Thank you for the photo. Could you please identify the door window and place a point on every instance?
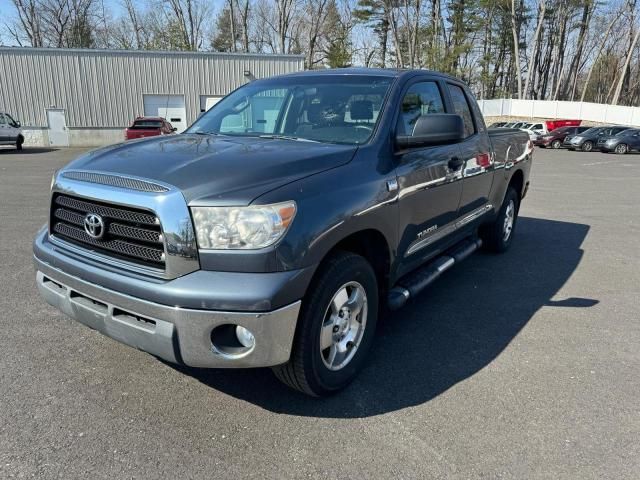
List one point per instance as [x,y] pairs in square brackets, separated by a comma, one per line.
[421,99]
[461,107]
[3,119]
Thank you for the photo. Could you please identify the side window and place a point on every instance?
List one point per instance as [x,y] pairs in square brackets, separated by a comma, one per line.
[461,107]
[422,98]
[2,119]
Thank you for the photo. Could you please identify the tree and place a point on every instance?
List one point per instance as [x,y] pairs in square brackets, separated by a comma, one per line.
[226,35]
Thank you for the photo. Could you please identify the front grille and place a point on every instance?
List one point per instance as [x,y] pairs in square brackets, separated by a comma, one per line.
[129,234]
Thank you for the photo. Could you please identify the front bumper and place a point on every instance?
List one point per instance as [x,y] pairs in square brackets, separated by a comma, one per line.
[176,334]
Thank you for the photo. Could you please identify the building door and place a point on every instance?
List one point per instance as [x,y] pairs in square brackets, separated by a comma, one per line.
[170,107]
[208,101]
[58,133]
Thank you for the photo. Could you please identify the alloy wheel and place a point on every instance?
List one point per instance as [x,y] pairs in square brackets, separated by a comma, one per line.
[344,324]
[509,218]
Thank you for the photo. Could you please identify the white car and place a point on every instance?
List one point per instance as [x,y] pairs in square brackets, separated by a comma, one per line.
[10,132]
[534,130]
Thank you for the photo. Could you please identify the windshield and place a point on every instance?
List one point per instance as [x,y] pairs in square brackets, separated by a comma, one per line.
[592,131]
[10,120]
[332,109]
[558,130]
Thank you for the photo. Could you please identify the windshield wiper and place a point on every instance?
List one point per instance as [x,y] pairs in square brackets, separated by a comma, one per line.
[201,132]
[288,137]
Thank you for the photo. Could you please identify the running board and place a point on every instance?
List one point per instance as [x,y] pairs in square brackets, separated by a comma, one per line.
[415,282]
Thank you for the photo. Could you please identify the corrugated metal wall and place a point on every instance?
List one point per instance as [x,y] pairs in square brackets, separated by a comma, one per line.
[104,88]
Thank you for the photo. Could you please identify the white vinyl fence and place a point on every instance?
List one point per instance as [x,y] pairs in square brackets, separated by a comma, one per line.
[594,112]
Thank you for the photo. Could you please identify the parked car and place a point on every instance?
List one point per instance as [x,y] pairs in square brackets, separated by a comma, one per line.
[497,125]
[534,130]
[623,142]
[587,140]
[555,138]
[148,127]
[10,131]
[275,244]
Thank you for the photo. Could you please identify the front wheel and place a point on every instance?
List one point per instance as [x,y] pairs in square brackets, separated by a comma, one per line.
[556,144]
[498,235]
[587,146]
[19,142]
[335,329]
[621,149]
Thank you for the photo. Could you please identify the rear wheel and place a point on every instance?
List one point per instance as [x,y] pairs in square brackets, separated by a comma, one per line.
[587,146]
[498,235]
[621,148]
[335,329]
[19,142]
[556,144]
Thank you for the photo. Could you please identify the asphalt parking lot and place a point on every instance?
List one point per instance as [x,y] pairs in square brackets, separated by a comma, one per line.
[525,365]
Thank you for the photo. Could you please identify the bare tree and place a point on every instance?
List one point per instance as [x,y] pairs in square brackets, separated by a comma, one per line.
[516,46]
[542,8]
[30,23]
[189,16]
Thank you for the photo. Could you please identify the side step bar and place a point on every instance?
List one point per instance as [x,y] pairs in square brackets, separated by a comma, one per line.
[415,282]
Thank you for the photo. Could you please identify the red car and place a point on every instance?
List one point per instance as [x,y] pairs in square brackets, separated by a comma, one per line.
[555,137]
[148,127]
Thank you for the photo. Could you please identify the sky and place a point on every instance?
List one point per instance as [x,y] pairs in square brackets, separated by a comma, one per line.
[8,15]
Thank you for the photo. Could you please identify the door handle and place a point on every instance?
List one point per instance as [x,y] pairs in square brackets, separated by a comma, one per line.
[455,163]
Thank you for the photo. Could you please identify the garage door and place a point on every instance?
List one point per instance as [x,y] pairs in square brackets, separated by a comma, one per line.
[170,107]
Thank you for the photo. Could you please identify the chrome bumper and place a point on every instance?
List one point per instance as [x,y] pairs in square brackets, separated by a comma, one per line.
[178,335]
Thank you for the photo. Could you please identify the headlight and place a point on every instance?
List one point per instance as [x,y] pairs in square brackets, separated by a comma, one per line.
[247,228]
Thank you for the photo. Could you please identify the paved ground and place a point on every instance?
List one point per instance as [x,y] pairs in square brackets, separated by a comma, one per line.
[525,365]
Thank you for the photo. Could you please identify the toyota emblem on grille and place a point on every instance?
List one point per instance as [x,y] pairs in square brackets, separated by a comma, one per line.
[94,225]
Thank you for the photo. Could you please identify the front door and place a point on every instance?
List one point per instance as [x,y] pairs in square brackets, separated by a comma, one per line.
[58,135]
[429,180]
[4,130]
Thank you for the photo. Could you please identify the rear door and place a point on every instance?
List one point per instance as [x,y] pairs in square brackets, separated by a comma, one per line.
[429,178]
[475,151]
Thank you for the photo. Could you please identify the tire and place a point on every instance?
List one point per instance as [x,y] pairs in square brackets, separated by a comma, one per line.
[556,144]
[621,148]
[497,236]
[19,142]
[587,146]
[310,368]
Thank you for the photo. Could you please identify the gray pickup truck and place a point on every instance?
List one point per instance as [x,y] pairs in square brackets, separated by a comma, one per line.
[274,230]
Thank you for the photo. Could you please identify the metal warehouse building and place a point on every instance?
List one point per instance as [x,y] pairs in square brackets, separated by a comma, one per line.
[87,97]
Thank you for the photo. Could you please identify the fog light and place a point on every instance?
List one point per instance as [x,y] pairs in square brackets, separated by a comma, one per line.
[245,337]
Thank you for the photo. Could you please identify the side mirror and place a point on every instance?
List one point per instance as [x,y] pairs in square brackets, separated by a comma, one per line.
[433,129]
[18,125]
[174,129]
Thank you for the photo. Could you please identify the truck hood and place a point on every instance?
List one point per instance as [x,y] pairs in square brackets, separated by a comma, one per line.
[216,170]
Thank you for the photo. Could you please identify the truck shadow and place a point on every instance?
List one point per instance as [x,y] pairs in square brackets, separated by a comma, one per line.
[456,328]
[26,150]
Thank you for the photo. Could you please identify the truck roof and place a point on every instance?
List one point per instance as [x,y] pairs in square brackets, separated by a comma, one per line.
[374,72]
